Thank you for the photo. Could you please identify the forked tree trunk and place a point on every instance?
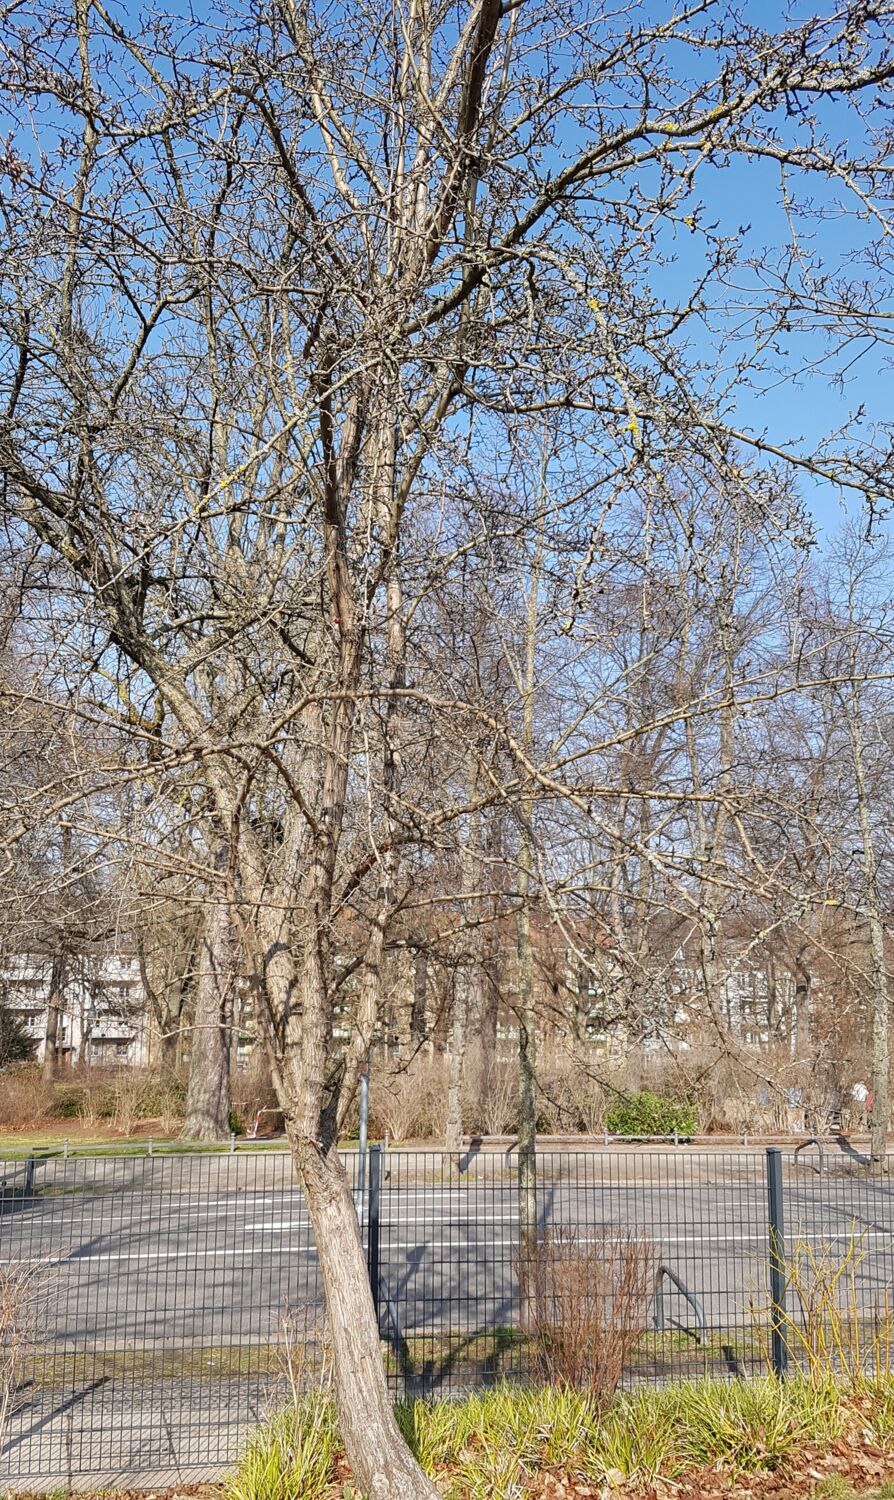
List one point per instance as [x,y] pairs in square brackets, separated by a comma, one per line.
[208,1091]
[383,1467]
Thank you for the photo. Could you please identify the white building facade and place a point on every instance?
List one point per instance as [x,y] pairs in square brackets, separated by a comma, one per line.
[103,1015]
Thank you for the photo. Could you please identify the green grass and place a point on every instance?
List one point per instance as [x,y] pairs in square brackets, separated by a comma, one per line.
[290,1458]
[491,1443]
[836,1487]
[43,1144]
[489,1354]
[62,1371]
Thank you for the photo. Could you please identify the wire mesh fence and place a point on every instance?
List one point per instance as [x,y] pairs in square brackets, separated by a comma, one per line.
[452,1271]
[170,1301]
[167,1291]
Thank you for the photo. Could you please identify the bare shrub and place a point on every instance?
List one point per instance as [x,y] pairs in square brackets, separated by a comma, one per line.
[409,1102]
[490,1092]
[577,1085]
[590,1101]
[25,1099]
[557,1111]
[95,1099]
[500,1099]
[251,1088]
[587,1306]
[20,1287]
[829,1330]
[394,1106]
[305,1351]
[163,1098]
[430,1079]
[128,1086]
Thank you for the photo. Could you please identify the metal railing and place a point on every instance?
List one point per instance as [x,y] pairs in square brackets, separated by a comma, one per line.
[171,1292]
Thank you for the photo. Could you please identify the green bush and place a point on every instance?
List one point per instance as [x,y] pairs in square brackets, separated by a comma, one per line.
[645,1113]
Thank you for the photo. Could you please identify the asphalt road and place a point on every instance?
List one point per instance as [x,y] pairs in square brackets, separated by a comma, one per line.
[164,1282]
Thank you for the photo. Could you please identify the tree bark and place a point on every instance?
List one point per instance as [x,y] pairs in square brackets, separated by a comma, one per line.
[55,1007]
[527,1035]
[382,1465]
[881,1043]
[419,1034]
[527,1100]
[457,1050]
[166,1017]
[208,1091]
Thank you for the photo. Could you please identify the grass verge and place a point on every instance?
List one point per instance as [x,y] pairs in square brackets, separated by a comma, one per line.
[702,1437]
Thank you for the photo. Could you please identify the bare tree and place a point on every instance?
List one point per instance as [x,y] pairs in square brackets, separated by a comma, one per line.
[267,298]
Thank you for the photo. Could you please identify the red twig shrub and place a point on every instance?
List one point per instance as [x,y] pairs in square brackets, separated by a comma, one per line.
[588,1301]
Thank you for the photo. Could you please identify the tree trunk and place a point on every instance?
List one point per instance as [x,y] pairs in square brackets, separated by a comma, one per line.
[169,1048]
[208,1091]
[527,1035]
[457,1051]
[419,1035]
[881,1045]
[383,1467]
[527,1101]
[166,1015]
[55,1007]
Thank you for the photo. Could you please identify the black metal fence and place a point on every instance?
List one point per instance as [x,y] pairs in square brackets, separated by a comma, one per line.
[169,1300]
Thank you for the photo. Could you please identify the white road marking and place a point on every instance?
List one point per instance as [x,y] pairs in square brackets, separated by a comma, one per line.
[253,1251]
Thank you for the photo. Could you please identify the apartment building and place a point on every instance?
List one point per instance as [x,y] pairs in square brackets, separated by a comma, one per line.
[102,1016]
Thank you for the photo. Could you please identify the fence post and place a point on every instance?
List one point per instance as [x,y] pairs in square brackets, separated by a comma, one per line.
[372,1232]
[778,1347]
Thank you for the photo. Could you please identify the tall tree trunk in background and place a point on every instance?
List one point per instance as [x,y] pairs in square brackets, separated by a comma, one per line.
[467,985]
[527,1097]
[486,1027]
[881,1042]
[165,1014]
[527,1033]
[456,1053]
[419,1033]
[489,951]
[52,1045]
[208,1091]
